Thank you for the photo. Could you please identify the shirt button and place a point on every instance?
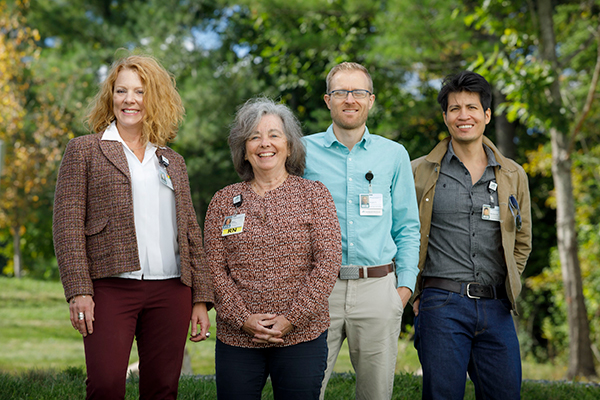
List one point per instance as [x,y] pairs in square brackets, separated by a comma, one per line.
[351,222]
[350,179]
[350,159]
[351,244]
[427,199]
[349,201]
[473,255]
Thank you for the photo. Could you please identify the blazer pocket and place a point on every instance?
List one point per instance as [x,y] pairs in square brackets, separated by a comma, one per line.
[99,247]
[96,226]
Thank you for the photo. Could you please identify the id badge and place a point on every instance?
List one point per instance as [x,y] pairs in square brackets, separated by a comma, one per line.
[371,204]
[490,213]
[233,224]
[164,177]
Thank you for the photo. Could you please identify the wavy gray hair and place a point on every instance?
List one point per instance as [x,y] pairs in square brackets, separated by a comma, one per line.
[247,119]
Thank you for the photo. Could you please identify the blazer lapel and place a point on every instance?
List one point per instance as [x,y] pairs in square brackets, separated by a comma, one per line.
[114,152]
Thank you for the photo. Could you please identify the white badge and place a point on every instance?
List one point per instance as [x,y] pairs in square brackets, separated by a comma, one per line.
[164,177]
[490,213]
[233,224]
[371,204]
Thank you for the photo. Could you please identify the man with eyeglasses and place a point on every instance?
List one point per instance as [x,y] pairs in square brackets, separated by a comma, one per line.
[475,217]
[372,185]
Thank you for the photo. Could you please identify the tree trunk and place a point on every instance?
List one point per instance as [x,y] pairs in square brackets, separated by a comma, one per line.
[581,361]
[17,250]
[505,131]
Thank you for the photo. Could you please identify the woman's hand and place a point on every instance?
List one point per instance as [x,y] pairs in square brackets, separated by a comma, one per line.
[81,309]
[267,328]
[200,317]
[282,325]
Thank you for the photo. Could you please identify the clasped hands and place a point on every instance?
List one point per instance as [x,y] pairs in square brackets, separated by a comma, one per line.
[267,328]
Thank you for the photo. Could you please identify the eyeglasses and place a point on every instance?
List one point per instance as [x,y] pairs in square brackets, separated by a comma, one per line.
[358,94]
[513,204]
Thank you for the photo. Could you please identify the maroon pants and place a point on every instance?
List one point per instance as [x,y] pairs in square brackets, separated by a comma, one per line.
[158,314]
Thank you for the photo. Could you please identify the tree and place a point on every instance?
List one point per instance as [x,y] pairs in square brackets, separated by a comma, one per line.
[30,124]
[534,83]
[581,361]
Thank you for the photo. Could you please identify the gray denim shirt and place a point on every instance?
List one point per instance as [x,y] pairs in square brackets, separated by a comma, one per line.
[463,246]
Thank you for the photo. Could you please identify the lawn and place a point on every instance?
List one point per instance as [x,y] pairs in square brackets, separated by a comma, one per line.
[35,333]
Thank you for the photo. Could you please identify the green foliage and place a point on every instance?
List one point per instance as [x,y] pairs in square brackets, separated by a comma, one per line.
[31,125]
[547,288]
[224,52]
[516,66]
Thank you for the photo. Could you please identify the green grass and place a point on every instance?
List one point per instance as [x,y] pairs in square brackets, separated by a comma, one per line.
[36,333]
[41,355]
[70,384]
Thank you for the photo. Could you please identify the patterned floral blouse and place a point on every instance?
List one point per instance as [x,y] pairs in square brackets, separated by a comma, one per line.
[285,261]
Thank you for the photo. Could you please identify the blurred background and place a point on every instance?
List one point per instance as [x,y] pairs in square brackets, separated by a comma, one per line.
[541,56]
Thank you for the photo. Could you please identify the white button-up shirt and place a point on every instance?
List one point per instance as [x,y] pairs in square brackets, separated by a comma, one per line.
[154,214]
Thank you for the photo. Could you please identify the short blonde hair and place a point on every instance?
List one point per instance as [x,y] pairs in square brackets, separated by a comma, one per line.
[164,108]
[348,66]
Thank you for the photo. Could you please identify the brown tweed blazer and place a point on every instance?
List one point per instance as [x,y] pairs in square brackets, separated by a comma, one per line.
[93,225]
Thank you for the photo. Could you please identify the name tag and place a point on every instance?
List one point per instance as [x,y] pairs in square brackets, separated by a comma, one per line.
[233,224]
[371,204]
[164,177]
[490,213]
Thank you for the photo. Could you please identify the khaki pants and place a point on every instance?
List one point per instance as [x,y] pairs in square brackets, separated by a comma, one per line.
[367,312]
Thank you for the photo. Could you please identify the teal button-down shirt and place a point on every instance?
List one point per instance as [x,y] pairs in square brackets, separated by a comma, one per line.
[370,240]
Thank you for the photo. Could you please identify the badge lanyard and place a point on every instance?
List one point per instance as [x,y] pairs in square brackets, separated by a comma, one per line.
[163,174]
[370,204]
[491,212]
[233,224]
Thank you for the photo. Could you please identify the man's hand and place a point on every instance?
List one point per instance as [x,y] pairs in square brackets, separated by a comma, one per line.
[405,294]
[416,306]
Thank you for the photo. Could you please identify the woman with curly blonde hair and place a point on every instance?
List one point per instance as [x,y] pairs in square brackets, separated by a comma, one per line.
[127,241]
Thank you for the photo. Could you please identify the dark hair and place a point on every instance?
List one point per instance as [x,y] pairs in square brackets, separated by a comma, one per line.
[247,119]
[465,81]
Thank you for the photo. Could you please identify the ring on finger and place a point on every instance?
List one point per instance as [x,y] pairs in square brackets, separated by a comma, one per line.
[80,316]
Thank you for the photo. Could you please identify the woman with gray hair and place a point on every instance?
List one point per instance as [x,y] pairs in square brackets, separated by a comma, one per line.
[273,245]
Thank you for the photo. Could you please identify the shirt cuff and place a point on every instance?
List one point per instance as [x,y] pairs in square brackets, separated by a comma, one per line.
[407,279]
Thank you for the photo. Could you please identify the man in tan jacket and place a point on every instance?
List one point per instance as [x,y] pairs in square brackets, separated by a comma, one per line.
[475,218]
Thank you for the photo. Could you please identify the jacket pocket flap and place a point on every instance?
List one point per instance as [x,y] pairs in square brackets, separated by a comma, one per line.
[95,226]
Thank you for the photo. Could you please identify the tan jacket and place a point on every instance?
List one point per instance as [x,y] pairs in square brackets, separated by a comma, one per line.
[511,179]
[93,225]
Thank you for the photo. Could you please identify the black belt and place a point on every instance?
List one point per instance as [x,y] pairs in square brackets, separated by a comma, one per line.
[472,290]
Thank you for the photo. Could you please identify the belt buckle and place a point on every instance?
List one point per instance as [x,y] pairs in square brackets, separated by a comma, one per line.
[349,272]
[469,294]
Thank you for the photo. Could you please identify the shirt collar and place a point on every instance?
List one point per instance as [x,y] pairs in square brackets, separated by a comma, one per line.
[330,138]
[112,134]
[492,162]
